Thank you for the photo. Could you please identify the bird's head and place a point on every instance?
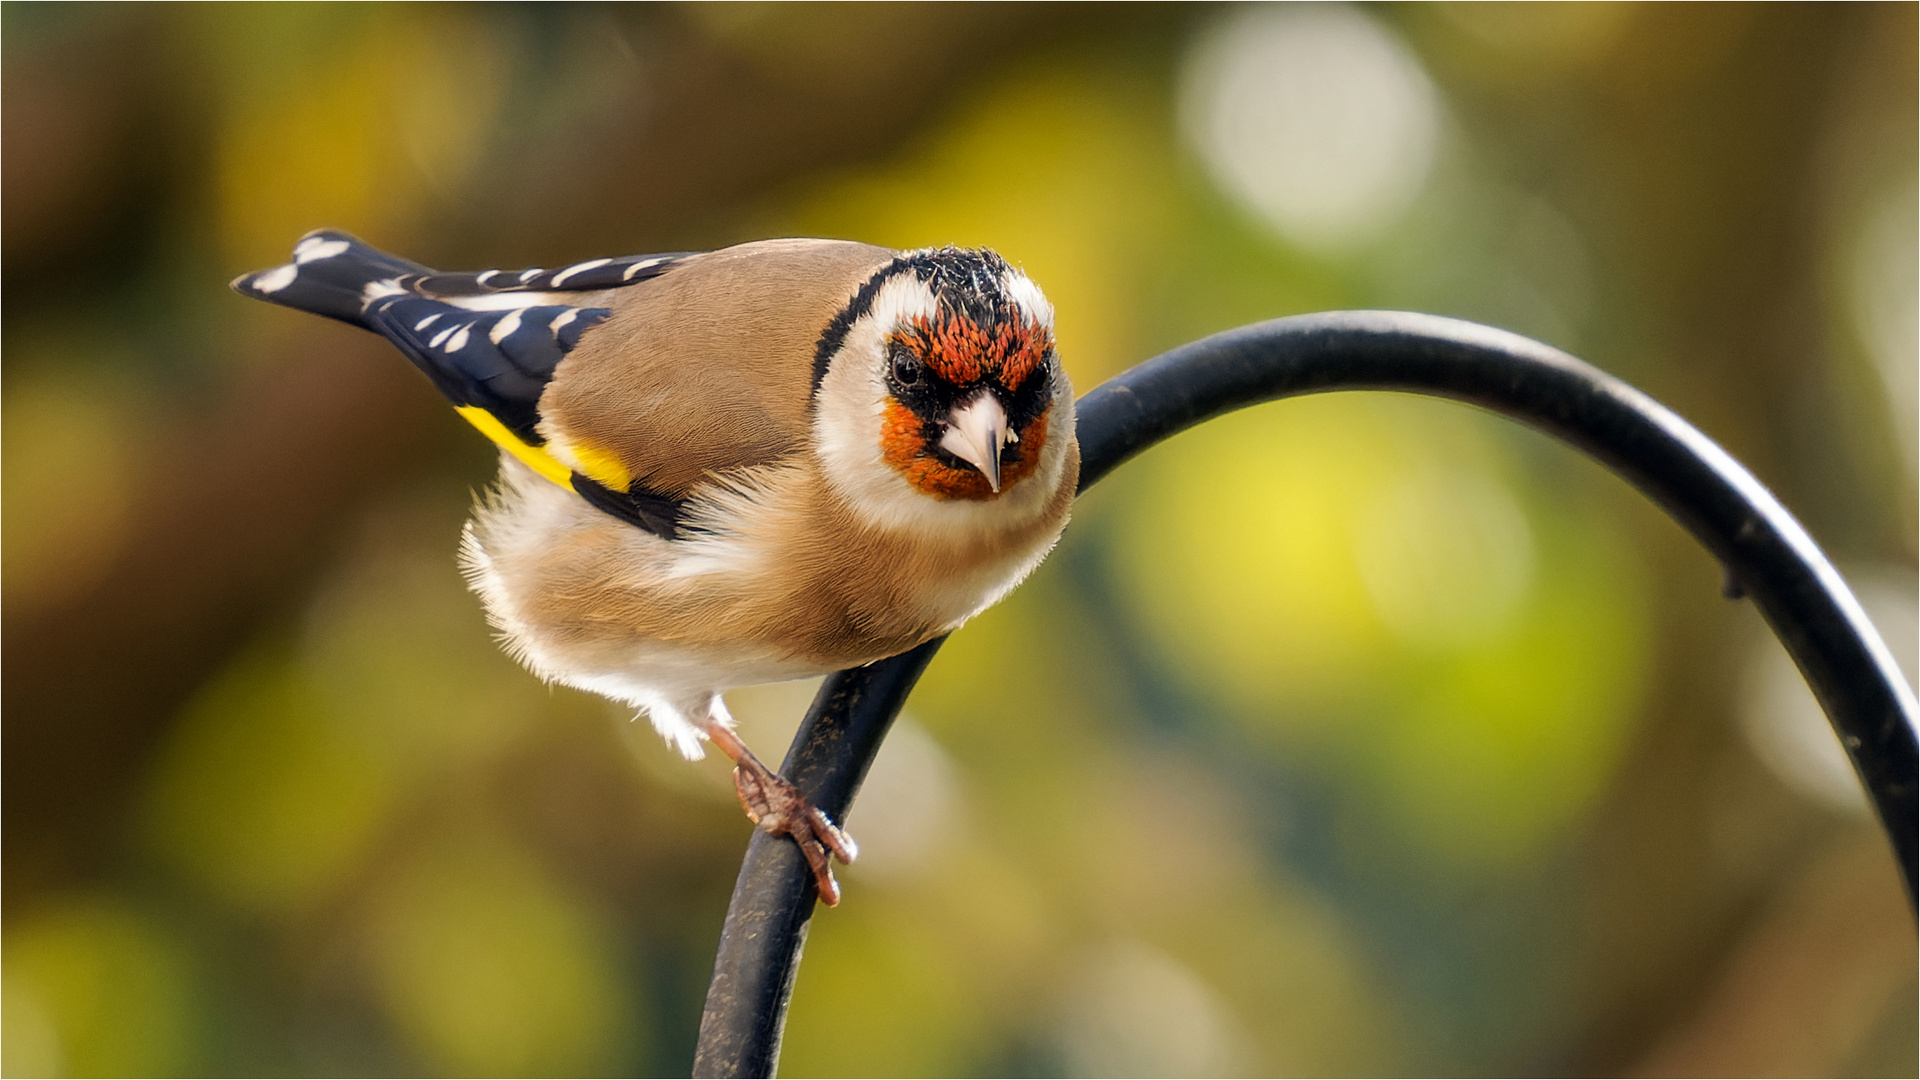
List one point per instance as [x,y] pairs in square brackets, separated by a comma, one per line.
[939,383]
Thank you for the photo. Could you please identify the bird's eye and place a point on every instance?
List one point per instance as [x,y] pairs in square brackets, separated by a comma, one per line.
[906,368]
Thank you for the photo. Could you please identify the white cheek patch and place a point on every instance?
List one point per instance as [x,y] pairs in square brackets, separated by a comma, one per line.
[848,408]
[853,396]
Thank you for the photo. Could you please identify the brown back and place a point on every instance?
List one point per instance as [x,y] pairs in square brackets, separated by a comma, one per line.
[710,366]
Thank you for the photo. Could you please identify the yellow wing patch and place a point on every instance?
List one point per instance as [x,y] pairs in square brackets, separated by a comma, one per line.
[604,467]
[536,458]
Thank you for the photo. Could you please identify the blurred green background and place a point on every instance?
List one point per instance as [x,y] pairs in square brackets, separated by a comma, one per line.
[1350,735]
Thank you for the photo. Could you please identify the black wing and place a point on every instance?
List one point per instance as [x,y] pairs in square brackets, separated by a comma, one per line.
[488,340]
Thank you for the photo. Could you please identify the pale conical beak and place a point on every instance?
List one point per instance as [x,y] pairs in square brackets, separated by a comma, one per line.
[976,430]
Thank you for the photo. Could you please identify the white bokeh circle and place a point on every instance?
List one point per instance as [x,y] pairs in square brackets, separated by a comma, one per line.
[1313,117]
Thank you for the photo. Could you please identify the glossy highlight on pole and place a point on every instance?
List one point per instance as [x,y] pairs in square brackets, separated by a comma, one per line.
[1768,557]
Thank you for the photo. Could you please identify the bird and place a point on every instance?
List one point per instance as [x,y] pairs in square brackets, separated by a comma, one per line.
[759,463]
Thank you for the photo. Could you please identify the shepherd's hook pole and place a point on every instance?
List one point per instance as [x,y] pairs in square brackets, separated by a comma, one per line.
[1765,552]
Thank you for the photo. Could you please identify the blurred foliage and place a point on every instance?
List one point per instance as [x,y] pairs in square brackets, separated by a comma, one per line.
[1475,672]
[1348,735]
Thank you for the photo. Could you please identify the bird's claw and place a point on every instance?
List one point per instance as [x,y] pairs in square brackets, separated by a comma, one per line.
[779,808]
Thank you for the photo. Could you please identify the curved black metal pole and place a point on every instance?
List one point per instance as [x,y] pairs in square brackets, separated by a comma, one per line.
[773,899]
[1765,551]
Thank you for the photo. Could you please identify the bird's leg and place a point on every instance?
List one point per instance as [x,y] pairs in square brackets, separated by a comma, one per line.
[778,807]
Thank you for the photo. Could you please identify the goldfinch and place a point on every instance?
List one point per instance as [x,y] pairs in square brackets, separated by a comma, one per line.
[742,466]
